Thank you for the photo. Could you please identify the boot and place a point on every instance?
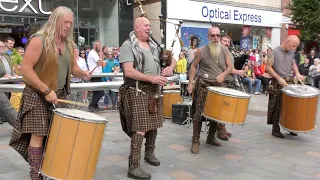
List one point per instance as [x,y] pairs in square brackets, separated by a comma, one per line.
[149,156]
[211,139]
[276,131]
[135,171]
[222,132]
[35,156]
[293,134]
[196,137]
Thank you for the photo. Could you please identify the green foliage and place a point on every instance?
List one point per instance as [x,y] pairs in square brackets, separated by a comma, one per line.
[305,16]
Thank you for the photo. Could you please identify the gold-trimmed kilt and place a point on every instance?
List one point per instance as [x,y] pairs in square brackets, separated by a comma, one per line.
[34,117]
[134,110]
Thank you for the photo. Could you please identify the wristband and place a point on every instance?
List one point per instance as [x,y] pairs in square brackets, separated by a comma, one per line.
[47,91]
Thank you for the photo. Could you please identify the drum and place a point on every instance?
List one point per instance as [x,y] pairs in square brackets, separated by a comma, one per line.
[170,97]
[226,105]
[173,78]
[73,146]
[299,108]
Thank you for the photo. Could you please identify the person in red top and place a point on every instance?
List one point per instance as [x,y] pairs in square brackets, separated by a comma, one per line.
[260,72]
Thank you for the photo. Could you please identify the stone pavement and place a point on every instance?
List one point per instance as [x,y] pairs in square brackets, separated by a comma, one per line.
[251,154]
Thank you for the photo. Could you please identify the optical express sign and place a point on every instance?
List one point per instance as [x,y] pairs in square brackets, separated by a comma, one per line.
[206,12]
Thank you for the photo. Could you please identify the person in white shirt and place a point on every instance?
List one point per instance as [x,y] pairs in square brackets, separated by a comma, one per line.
[94,62]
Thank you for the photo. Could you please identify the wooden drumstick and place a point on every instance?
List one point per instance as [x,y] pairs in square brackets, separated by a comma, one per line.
[303,83]
[73,102]
[93,69]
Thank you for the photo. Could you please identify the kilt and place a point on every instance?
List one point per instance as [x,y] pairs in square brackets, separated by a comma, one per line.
[134,110]
[275,100]
[34,117]
[199,98]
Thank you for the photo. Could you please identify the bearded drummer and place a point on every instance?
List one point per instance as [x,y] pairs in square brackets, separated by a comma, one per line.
[47,66]
[140,108]
[280,65]
[214,66]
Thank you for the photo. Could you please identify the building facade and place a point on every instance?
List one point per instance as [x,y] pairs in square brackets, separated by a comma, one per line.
[251,24]
[108,21]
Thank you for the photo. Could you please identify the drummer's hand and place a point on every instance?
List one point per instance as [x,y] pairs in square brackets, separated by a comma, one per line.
[168,71]
[220,78]
[300,77]
[87,75]
[190,87]
[7,76]
[240,72]
[282,82]
[52,97]
[159,80]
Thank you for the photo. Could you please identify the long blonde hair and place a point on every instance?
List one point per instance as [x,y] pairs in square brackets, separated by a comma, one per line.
[51,30]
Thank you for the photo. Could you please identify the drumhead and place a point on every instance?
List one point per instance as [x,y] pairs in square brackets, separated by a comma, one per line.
[299,90]
[173,78]
[228,91]
[80,115]
[171,91]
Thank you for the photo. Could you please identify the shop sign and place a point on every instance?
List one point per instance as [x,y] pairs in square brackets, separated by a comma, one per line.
[206,12]
[21,7]
[87,25]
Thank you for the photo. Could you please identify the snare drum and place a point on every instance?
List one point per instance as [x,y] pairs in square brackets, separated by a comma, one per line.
[299,108]
[73,145]
[170,97]
[226,105]
[173,78]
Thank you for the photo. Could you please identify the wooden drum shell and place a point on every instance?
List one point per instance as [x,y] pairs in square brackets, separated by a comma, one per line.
[298,114]
[72,148]
[169,98]
[225,108]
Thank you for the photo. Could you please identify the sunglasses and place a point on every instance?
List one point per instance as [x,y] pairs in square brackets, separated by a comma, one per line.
[82,53]
[214,35]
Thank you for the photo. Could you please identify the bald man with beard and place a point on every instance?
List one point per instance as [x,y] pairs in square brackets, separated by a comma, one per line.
[140,108]
[214,66]
[280,65]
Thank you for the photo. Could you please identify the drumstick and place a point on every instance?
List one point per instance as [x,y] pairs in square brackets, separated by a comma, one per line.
[73,102]
[302,83]
[93,69]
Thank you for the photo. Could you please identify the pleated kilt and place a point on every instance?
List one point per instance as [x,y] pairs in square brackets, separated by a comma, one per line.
[199,97]
[275,100]
[134,110]
[34,117]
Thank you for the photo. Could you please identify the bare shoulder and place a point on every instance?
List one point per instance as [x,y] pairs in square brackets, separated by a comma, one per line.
[35,43]
[33,51]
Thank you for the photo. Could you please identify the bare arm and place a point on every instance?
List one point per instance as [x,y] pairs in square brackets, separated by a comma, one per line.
[31,57]
[229,65]
[132,73]
[194,65]
[295,69]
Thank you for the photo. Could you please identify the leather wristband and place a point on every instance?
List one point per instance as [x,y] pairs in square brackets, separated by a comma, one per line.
[47,91]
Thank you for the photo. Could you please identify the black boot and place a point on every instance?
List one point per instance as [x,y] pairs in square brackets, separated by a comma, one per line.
[196,137]
[35,156]
[135,171]
[149,156]
[293,134]
[276,131]
[211,139]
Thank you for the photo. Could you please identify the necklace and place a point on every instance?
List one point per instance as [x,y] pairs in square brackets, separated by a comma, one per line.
[59,48]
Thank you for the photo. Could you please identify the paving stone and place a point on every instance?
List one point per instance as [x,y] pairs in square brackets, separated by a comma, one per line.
[246,176]
[182,175]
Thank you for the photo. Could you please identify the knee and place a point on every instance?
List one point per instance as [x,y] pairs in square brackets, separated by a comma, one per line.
[141,133]
[36,140]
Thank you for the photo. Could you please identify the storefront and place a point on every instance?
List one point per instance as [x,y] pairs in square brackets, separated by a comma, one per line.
[249,28]
[107,21]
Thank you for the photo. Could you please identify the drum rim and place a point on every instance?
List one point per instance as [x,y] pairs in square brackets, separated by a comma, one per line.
[168,91]
[294,95]
[223,122]
[289,130]
[47,176]
[237,96]
[104,121]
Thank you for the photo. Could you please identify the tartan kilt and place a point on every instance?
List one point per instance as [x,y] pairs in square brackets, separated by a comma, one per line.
[199,98]
[275,100]
[34,117]
[134,110]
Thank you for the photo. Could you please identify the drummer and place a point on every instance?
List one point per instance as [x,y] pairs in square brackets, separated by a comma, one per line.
[44,85]
[280,65]
[214,66]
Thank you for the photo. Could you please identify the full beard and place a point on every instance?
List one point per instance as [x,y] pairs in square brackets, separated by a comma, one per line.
[215,49]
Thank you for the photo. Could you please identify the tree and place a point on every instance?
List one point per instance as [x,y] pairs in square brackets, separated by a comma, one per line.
[305,16]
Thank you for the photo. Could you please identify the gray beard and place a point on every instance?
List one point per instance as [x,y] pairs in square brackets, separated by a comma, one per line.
[215,49]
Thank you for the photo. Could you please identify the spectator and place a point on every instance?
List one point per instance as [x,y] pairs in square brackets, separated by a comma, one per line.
[110,63]
[304,69]
[250,79]
[303,56]
[94,62]
[9,43]
[260,72]
[311,57]
[115,99]
[314,73]
[181,67]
